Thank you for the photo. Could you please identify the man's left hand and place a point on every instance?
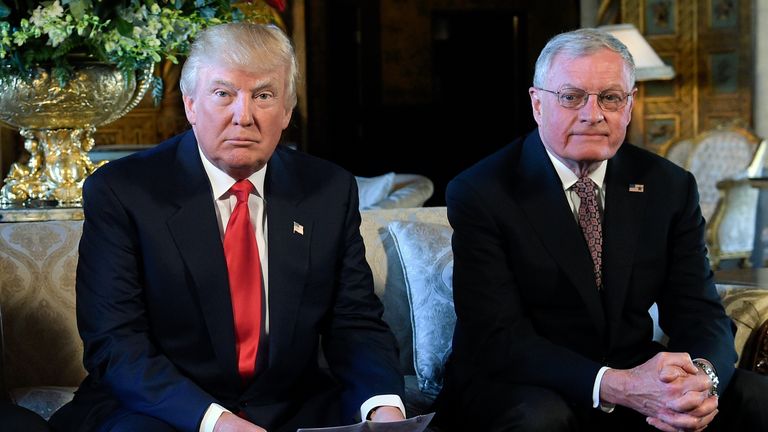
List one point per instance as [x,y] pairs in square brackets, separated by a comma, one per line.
[696,403]
[386,414]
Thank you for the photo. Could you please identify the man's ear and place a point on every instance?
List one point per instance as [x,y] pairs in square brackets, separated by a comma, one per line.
[632,99]
[287,117]
[535,104]
[189,109]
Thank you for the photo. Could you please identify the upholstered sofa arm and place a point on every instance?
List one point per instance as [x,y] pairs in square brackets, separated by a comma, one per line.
[755,356]
[3,389]
[748,308]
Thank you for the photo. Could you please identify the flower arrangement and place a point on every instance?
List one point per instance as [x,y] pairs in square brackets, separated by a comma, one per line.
[131,34]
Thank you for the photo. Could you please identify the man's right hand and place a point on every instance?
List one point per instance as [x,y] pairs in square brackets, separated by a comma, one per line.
[668,389]
[229,422]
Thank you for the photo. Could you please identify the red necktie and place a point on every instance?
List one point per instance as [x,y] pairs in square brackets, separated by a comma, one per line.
[589,220]
[244,269]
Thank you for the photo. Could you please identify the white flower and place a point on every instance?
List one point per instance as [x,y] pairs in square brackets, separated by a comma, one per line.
[42,16]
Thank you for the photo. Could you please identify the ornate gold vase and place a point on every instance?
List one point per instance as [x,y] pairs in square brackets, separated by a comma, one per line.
[58,123]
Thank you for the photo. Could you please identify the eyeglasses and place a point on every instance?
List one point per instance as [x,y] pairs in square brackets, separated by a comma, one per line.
[575,98]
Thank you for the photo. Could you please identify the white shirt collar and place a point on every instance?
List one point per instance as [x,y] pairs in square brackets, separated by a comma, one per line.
[221,182]
[569,178]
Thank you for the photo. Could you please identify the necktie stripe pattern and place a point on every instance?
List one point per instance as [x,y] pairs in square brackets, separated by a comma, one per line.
[244,269]
[589,220]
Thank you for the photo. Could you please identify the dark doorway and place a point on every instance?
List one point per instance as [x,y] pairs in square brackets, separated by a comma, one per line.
[477,62]
[480,84]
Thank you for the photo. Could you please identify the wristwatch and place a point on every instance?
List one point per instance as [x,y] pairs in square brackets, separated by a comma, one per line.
[707,368]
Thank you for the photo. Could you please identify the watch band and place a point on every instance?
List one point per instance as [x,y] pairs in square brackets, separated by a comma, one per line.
[707,368]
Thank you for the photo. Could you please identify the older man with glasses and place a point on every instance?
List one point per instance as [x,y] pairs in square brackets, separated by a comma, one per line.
[562,242]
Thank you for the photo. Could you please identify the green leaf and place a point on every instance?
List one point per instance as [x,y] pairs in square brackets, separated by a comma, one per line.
[77,7]
[207,12]
[68,45]
[123,27]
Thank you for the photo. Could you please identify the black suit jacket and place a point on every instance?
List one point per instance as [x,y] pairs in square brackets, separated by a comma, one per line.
[526,302]
[154,308]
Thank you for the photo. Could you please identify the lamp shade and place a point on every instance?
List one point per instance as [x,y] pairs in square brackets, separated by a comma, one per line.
[648,64]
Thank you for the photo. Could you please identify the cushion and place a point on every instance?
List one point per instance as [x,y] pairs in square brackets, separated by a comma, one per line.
[43,400]
[371,190]
[388,280]
[427,260]
[747,307]
[408,190]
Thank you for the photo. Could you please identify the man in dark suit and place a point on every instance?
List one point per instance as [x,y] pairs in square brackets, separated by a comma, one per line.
[563,241]
[161,283]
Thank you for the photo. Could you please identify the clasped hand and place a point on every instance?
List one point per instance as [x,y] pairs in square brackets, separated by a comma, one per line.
[668,389]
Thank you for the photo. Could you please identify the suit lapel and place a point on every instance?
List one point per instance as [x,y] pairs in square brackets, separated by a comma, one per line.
[290,232]
[194,228]
[540,194]
[623,218]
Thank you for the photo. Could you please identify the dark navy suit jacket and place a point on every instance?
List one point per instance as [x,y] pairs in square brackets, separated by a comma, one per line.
[154,308]
[528,310]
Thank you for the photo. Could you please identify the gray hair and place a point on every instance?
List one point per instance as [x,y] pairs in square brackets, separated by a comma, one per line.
[253,47]
[578,43]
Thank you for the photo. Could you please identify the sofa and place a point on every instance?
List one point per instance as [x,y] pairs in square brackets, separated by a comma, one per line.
[410,256]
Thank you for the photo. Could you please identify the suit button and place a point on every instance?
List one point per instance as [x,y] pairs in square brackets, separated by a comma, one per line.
[243,404]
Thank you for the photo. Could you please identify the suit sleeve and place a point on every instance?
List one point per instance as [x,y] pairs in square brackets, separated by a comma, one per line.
[359,346]
[112,317]
[690,310]
[494,338]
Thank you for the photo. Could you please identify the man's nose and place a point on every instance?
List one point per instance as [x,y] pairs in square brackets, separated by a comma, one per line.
[242,114]
[592,112]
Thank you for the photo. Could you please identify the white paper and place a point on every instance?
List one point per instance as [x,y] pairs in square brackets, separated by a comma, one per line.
[413,424]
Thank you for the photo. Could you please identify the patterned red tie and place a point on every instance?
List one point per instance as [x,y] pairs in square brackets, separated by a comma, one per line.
[589,220]
[244,269]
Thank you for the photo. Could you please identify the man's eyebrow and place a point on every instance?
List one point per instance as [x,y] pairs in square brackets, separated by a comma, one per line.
[223,82]
[262,85]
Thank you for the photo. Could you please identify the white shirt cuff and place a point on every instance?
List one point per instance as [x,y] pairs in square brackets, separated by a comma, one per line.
[379,401]
[606,407]
[211,416]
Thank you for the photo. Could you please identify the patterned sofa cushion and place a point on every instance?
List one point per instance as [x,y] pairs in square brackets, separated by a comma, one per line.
[388,278]
[427,261]
[37,296]
[389,283]
[43,351]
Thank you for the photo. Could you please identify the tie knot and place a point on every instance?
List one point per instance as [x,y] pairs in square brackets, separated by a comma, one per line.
[241,189]
[584,187]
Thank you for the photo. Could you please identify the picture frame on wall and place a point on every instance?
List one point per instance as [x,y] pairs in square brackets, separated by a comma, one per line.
[724,72]
[660,17]
[661,129]
[723,14]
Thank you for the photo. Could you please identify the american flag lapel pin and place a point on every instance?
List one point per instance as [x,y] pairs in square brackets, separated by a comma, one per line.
[298,228]
[636,187]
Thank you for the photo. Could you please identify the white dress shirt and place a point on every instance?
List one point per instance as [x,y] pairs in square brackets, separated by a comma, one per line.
[225,203]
